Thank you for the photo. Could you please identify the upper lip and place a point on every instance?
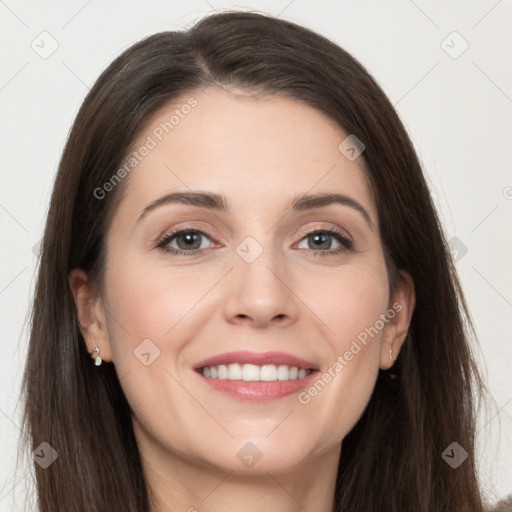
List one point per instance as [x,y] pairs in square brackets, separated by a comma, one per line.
[257,358]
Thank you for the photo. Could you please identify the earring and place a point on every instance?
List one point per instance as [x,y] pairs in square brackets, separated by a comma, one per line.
[391,355]
[95,354]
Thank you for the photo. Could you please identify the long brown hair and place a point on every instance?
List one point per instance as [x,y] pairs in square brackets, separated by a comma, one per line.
[391,460]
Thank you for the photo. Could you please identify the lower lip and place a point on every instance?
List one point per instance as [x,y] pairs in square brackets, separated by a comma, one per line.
[258,391]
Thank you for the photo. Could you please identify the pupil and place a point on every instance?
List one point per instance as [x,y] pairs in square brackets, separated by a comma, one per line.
[321,238]
[190,239]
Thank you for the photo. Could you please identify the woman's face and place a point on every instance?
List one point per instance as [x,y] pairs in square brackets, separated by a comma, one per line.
[265,280]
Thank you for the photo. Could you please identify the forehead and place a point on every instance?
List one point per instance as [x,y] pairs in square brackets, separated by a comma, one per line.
[255,150]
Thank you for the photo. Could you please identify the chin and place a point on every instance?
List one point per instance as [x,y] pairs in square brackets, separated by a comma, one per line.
[256,457]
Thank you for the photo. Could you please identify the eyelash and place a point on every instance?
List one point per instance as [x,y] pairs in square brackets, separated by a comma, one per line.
[346,243]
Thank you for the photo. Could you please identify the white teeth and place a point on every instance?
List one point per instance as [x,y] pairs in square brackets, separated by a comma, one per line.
[283,372]
[250,372]
[254,373]
[234,371]
[268,372]
[223,371]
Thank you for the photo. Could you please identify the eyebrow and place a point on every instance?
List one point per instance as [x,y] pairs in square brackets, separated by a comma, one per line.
[218,203]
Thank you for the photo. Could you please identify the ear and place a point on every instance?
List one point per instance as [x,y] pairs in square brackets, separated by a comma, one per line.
[90,314]
[395,331]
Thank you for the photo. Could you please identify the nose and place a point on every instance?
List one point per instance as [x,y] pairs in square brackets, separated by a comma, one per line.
[261,293]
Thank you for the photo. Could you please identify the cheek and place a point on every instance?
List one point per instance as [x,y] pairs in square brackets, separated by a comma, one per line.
[152,319]
[351,307]
[149,303]
[349,301]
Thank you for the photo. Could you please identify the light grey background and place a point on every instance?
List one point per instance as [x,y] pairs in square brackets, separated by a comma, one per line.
[456,106]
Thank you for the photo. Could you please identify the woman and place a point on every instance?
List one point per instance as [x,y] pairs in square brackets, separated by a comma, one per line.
[245,298]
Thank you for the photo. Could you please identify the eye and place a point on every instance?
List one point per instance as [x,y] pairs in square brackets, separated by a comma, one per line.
[185,241]
[320,241]
[193,241]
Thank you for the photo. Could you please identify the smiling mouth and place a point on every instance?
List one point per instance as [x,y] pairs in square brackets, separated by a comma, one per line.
[254,373]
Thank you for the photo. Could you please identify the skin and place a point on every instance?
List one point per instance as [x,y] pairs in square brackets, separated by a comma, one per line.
[259,152]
